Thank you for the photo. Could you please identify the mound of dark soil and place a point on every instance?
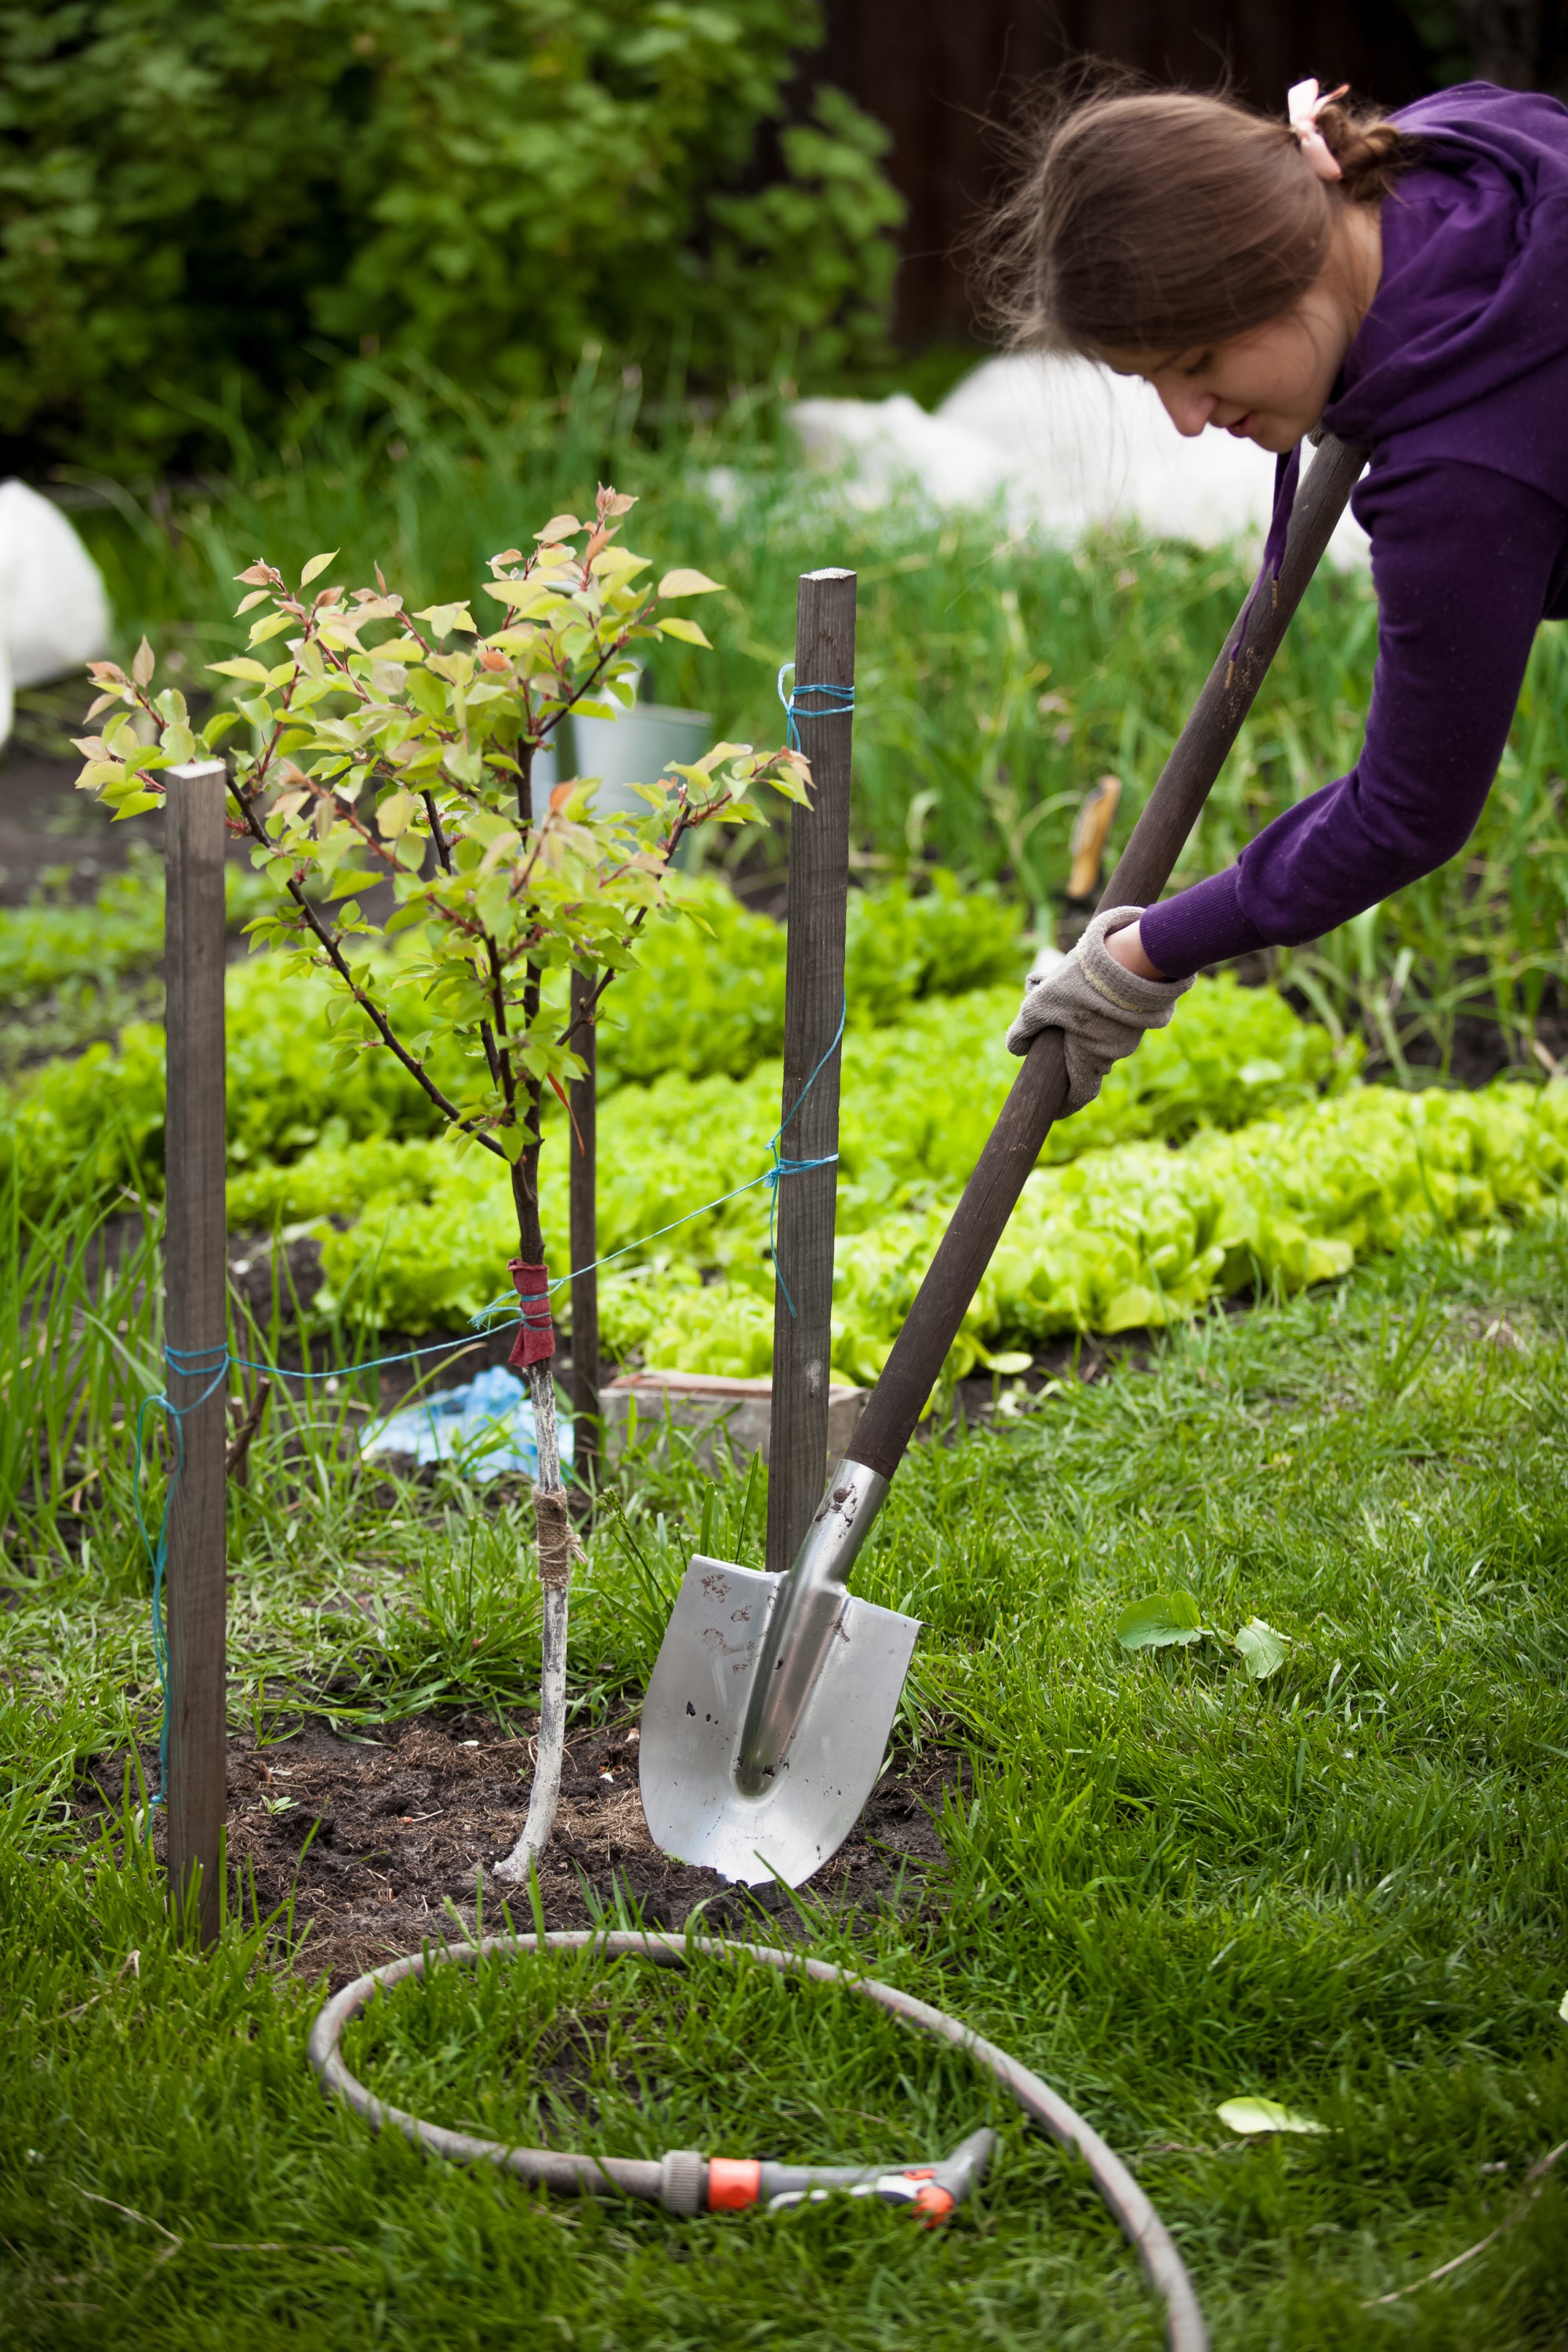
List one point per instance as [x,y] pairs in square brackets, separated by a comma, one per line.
[380,1842]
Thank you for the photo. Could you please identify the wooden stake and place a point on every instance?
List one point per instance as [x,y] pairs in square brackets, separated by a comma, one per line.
[584,1194]
[195,1331]
[813,1003]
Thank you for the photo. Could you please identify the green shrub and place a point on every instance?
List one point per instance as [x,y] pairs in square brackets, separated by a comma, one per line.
[709,996]
[202,203]
[75,970]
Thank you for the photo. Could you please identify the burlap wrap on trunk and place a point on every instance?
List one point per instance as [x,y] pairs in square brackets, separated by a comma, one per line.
[557,1539]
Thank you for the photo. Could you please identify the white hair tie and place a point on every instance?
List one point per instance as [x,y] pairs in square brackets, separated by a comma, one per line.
[1303,106]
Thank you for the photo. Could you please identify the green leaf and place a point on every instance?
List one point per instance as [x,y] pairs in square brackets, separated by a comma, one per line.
[1250,2115]
[1262,1649]
[684,582]
[426,694]
[396,813]
[254,672]
[316,566]
[273,626]
[466,766]
[676,625]
[1158,1621]
[443,618]
[524,595]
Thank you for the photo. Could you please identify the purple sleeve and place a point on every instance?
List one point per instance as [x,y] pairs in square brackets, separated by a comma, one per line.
[1466,562]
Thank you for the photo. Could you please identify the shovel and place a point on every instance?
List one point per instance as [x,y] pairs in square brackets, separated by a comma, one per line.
[767,1714]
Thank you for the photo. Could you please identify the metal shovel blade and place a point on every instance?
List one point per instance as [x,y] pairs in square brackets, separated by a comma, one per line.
[695,1711]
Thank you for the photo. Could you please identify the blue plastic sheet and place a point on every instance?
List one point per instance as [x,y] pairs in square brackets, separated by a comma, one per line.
[485,1427]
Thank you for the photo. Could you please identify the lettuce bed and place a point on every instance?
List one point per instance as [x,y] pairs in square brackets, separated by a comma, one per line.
[433,1232]
[1127,1235]
[706,1001]
[1139,1234]
[1289,1169]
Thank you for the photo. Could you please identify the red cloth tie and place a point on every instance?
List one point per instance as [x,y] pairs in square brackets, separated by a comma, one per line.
[535,1342]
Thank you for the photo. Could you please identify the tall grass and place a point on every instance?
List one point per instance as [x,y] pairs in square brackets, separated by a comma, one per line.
[997,677]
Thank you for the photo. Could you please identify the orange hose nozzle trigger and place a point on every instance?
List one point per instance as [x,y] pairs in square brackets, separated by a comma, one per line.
[734,2182]
[935,2203]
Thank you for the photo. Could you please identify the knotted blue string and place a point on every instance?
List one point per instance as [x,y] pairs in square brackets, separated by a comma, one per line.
[188,1362]
[840,703]
[784,1166]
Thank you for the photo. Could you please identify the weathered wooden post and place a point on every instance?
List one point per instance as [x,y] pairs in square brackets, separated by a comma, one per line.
[582,1145]
[196,1335]
[814,1007]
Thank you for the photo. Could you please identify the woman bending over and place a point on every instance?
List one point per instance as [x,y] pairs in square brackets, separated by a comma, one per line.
[1403,282]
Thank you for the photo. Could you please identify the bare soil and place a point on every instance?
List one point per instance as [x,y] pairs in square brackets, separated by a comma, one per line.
[46,824]
[380,1843]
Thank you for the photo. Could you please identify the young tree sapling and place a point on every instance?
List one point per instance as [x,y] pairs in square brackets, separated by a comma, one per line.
[390,748]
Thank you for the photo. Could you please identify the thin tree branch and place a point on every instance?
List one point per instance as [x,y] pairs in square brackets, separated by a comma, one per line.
[587,1011]
[416,1069]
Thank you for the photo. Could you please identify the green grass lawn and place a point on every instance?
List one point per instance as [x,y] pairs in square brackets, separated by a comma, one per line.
[1342,1887]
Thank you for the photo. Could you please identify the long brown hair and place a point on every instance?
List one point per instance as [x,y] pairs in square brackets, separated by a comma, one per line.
[1155,220]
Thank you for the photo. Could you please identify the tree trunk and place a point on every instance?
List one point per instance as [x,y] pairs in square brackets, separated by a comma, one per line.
[551,1525]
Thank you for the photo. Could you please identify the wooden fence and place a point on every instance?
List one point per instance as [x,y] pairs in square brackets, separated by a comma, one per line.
[945,77]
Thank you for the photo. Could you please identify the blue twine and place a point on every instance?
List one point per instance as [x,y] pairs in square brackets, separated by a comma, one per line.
[784,1167]
[183,1361]
[839,705]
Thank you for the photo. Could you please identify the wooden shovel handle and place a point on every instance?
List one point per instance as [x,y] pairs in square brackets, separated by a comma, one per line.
[1039,1090]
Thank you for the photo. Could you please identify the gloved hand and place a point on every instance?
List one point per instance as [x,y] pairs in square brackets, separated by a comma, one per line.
[1100,1007]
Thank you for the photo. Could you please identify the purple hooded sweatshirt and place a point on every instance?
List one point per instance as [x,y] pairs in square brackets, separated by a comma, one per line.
[1458,381]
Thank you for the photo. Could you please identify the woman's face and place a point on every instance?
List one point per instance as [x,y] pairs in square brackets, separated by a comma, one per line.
[1270,385]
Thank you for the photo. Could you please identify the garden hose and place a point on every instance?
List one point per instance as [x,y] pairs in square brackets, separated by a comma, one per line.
[687,2183]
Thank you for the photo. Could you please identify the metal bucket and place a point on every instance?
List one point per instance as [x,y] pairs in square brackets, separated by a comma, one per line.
[636,749]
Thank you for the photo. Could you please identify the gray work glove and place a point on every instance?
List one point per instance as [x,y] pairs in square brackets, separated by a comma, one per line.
[1100,1008]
